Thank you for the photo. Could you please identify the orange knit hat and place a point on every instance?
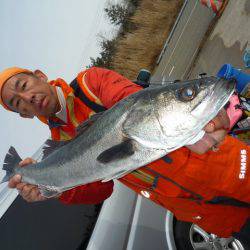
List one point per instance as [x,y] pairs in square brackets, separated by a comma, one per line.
[5,75]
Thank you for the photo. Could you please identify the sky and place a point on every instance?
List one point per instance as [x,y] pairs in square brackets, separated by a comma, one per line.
[55,36]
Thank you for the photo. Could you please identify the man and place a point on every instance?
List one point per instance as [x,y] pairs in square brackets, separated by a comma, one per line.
[195,187]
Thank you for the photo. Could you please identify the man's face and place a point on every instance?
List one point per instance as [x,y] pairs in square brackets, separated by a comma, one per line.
[30,95]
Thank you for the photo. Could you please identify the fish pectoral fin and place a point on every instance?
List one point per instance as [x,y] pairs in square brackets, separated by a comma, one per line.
[116,176]
[48,191]
[117,152]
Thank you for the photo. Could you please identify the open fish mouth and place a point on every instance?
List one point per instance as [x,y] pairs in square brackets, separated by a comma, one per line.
[216,98]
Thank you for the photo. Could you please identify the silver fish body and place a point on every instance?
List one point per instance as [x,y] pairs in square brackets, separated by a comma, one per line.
[136,131]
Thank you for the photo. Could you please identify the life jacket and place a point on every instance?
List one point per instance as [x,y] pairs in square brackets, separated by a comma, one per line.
[77,105]
[197,188]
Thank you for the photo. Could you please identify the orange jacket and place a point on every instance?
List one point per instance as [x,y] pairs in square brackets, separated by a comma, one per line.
[208,189]
[203,189]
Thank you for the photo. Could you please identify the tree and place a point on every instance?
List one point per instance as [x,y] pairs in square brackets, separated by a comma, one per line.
[135,3]
[117,13]
[106,55]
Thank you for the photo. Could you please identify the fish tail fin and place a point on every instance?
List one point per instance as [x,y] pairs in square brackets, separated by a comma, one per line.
[11,160]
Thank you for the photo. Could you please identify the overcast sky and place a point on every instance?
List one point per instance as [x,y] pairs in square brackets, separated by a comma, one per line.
[56,36]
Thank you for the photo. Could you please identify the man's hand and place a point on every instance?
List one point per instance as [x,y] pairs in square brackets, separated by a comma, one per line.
[216,130]
[29,192]
[221,121]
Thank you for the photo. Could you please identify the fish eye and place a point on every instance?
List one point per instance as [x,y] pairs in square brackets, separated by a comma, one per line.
[17,103]
[24,86]
[186,94]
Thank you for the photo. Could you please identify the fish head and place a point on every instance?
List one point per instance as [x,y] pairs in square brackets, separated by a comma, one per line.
[212,95]
[186,107]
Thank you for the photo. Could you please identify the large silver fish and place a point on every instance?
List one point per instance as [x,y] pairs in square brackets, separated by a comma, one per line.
[136,131]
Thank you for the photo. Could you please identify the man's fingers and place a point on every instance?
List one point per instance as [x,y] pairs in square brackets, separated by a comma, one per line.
[36,195]
[14,181]
[210,127]
[203,145]
[26,161]
[20,186]
[219,135]
[209,141]
[221,121]
[33,195]
[27,190]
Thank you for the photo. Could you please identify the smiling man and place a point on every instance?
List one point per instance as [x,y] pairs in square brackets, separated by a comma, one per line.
[204,189]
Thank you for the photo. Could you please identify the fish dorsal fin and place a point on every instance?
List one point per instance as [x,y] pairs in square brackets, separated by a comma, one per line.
[86,124]
[51,145]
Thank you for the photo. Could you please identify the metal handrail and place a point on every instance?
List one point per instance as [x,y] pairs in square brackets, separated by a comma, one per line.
[172,32]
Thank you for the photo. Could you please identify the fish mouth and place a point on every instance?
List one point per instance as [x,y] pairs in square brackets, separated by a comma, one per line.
[228,85]
[223,90]
[218,94]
